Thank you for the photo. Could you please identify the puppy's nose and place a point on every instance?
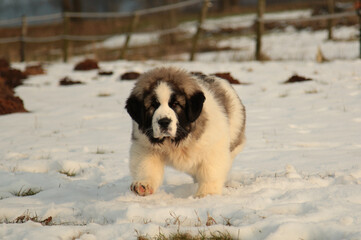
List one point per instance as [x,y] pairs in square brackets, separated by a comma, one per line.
[164,122]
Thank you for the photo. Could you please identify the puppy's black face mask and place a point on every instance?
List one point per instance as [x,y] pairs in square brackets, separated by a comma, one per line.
[187,112]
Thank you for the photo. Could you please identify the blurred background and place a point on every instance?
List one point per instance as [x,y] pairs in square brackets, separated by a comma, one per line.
[231,30]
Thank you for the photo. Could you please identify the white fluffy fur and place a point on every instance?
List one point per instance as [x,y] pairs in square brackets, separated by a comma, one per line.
[208,159]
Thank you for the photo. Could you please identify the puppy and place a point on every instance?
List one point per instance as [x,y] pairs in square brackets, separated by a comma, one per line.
[192,122]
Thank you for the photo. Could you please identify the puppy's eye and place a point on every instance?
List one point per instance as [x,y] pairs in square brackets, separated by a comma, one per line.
[174,104]
[155,103]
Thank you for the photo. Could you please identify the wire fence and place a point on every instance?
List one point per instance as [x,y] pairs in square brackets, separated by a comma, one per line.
[42,18]
[330,17]
[64,18]
[66,37]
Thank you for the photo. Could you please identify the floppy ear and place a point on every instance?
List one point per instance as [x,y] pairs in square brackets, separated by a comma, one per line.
[194,105]
[135,109]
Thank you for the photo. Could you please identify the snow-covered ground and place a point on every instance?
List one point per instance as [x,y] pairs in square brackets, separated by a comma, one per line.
[299,176]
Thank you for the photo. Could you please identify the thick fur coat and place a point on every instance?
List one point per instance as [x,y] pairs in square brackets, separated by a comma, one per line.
[192,122]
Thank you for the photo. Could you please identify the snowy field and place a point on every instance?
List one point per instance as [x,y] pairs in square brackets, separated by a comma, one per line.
[299,176]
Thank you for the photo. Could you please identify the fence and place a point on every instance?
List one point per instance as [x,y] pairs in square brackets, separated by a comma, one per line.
[65,17]
[260,21]
[66,37]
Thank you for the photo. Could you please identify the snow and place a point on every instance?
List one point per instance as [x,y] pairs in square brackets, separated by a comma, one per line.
[298,177]
[137,39]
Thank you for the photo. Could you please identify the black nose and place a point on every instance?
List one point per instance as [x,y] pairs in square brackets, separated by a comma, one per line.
[164,122]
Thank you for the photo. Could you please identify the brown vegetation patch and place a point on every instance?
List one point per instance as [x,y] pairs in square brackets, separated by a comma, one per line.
[228,77]
[105,73]
[27,217]
[66,81]
[130,76]
[197,73]
[8,102]
[297,78]
[34,70]
[87,64]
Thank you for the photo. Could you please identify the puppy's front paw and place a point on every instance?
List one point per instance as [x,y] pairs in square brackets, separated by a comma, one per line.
[141,189]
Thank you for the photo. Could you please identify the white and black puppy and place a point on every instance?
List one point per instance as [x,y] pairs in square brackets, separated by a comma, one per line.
[192,122]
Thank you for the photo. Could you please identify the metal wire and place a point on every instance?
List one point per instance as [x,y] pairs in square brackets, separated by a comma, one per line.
[10,40]
[44,17]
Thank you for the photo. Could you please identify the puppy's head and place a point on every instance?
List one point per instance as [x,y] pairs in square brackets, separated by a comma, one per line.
[164,105]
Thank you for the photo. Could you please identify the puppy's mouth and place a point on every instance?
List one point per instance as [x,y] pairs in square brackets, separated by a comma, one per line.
[164,134]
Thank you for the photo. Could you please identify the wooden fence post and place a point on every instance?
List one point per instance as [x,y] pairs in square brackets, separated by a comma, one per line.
[171,39]
[259,28]
[359,20]
[205,6]
[66,21]
[358,10]
[131,29]
[24,31]
[331,10]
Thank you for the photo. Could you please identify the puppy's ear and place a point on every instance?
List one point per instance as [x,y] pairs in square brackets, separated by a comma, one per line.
[135,108]
[194,105]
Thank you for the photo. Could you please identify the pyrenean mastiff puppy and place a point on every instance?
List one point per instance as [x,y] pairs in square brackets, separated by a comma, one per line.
[192,122]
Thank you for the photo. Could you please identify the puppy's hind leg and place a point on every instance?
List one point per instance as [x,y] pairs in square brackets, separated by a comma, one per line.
[212,174]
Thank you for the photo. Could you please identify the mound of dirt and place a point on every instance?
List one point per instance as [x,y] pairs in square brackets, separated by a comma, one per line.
[34,70]
[13,77]
[228,77]
[9,79]
[87,64]
[130,76]
[296,78]
[4,64]
[8,102]
[66,81]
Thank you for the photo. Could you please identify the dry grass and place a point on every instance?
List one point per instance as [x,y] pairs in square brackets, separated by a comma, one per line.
[104,94]
[178,221]
[283,95]
[26,192]
[217,235]
[103,151]
[27,216]
[68,173]
[311,91]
